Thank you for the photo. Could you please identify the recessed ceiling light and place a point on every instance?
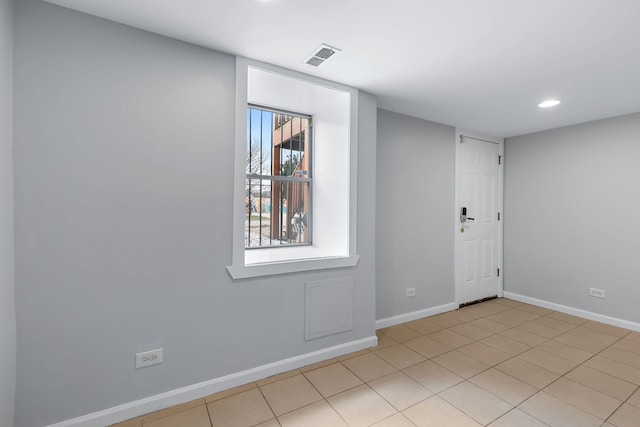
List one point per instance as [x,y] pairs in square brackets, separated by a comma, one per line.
[549,103]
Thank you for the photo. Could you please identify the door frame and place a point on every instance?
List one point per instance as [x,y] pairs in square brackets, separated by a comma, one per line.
[458,263]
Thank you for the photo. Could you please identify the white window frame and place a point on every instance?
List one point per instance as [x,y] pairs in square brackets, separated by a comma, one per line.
[323,253]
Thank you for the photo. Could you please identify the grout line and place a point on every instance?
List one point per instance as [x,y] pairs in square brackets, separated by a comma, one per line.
[267,402]
[206,406]
[622,404]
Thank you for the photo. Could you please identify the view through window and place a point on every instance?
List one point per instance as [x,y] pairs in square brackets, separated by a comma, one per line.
[278,179]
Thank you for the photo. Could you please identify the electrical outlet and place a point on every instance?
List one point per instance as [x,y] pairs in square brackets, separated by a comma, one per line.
[411,292]
[598,293]
[148,358]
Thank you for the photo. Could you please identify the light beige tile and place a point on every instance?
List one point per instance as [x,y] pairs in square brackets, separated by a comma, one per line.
[332,379]
[193,417]
[230,392]
[563,350]
[463,315]
[602,382]
[548,361]
[524,337]
[506,319]
[635,399]
[290,394]
[479,310]
[471,331]
[369,367]
[583,397]
[134,422]
[504,386]
[490,325]
[495,306]
[508,302]
[521,314]
[557,413]
[271,423]
[484,353]
[554,323]
[594,335]
[427,347]
[400,390]
[536,310]
[361,406]
[568,318]
[243,409]
[399,356]
[581,342]
[623,356]
[383,341]
[424,326]
[433,376]
[628,344]
[527,372]
[450,338]
[626,416]
[276,378]
[607,329]
[445,320]
[635,336]
[397,420]
[542,330]
[479,404]
[319,414]
[615,368]
[460,364]
[517,418]
[506,345]
[172,410]
[400,333]
[436,412]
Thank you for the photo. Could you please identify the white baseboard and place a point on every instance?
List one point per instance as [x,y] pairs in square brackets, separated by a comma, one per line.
[621,323]
[414,315]
[196,391]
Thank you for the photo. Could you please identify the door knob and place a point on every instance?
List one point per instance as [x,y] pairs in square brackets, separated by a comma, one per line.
[463,215]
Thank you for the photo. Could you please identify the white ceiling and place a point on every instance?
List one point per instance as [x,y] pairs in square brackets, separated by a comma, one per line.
[481,65]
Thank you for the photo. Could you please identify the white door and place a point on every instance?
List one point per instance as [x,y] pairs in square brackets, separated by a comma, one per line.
[478,235]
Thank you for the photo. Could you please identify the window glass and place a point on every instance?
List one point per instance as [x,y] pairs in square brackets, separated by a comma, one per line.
[278,179]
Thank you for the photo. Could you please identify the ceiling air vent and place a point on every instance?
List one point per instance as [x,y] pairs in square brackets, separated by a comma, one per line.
[320,54]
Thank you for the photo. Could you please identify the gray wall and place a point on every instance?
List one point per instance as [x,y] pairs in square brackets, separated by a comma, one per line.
[572,201]
[415,199]
[123,184]
[7,296]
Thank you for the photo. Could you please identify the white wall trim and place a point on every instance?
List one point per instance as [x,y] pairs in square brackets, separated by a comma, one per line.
[621,323]
[292,266]
[415,315]
[196,391]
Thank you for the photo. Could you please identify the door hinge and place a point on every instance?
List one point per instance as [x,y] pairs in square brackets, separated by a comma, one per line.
[498,272]
[498,216]
[499,160]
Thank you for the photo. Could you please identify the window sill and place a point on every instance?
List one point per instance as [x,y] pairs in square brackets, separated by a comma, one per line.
[290,266]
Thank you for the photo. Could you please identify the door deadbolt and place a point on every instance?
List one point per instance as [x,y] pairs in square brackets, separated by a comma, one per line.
[463,215]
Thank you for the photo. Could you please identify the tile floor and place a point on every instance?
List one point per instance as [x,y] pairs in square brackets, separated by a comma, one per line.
[499,363]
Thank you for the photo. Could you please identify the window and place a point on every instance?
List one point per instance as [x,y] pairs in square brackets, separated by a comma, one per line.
[278,179]
[295,174]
